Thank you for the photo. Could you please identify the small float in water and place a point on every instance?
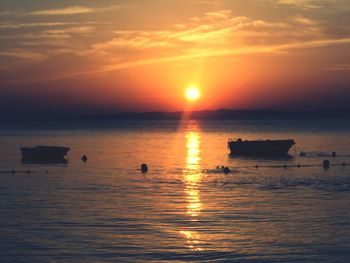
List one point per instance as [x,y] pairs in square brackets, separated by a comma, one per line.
[44,154]
[260,147]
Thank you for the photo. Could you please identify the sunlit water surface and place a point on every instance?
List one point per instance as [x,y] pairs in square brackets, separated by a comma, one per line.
[182,210]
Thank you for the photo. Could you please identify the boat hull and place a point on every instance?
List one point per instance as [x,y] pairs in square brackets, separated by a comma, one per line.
[44,153]
[260,148]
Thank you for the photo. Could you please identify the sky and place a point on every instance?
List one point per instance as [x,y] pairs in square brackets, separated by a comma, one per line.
[107,56]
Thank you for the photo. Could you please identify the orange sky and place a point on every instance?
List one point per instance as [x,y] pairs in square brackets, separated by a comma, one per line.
[140,55]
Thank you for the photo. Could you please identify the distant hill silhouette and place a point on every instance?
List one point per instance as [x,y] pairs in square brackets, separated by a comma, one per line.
[222,114]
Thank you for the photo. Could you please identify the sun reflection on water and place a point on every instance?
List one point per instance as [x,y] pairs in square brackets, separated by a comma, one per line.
[192,178]
[193,239]
[193,175]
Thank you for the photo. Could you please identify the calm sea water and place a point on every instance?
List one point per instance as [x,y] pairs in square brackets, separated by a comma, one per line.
[182,210]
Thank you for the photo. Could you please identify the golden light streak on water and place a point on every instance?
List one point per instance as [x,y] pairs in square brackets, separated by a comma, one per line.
[193,175]
[193,239]
[192,178]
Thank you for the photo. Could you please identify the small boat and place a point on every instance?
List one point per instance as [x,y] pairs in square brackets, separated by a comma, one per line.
[44,153]
[260,147]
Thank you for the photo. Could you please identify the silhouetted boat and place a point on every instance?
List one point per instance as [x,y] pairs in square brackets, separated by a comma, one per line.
[260,147]
[44,154]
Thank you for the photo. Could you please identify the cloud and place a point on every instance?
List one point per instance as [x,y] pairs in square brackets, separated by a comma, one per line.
[218,33]
[202,2]
[339,67]
[22,54]
[9,13]
[215,28]
[137,42]
[72,30]
[200,53]
[12,25]
[304,21]
[304,4]
[72,10]
[221,14]
[196,54]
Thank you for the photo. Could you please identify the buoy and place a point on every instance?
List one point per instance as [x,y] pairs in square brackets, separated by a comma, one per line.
[84,158]
[144,168]
[326,164]
[227,170]
[334,154]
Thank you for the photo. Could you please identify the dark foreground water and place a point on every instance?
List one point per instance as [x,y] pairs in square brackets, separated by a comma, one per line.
[106,210]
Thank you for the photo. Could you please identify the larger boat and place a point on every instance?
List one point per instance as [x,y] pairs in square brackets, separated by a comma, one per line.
[44,153]
[260,147]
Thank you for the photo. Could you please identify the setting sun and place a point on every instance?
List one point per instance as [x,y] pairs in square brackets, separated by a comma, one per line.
[192,93]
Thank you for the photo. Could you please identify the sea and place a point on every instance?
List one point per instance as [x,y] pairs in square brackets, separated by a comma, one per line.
[184,209]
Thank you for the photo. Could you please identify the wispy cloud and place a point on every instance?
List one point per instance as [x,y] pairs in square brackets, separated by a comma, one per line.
[304,4]
[22,54]
[137,42]
[72,30]
[72,10]
[10,12]
[14,25]
[339,67]
[304,20]
[217,33]
[198,54]
[215,28]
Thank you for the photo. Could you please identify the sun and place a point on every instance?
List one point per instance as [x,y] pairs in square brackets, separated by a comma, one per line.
[192,93]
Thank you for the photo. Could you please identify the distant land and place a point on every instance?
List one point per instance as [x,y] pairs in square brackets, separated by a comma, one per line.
[222,114]
[219,114]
